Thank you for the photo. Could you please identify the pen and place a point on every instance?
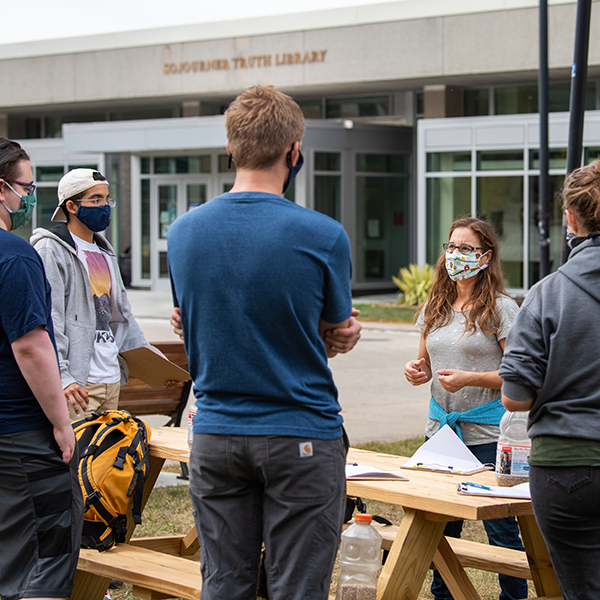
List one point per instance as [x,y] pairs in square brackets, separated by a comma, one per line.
[352,464]
[434,466]
[477,485]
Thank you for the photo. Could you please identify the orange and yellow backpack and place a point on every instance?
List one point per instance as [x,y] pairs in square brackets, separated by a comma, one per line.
[113,465]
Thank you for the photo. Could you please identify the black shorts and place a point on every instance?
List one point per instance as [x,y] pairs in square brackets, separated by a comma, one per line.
[41,516]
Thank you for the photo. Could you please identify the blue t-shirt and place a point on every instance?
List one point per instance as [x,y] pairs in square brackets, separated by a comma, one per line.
[253,273]
[25,303]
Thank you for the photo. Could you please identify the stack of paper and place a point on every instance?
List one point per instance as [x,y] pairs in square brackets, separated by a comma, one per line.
[358,472]
[447,453]
[516,491]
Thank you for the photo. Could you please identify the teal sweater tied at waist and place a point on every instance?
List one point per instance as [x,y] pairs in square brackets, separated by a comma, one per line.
[489,413]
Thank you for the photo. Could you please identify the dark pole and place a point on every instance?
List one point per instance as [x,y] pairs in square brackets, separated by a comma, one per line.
[543,92]
[578,89]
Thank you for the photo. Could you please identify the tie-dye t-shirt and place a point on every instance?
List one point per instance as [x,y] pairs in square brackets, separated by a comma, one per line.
[104,365]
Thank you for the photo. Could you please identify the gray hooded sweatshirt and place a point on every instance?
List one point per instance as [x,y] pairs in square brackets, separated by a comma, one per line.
[73,312]
[553,349]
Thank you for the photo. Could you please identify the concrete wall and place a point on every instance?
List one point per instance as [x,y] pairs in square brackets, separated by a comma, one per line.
[461,48]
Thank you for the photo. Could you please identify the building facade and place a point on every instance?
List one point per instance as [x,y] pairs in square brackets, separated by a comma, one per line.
[417,111]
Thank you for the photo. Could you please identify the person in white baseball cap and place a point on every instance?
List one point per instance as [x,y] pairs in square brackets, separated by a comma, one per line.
[90,309]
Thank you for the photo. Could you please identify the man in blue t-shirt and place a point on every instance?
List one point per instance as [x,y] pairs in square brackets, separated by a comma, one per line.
[262,294]
[41,507]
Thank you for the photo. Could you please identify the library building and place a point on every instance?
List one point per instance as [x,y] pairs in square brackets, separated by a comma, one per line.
[417,112]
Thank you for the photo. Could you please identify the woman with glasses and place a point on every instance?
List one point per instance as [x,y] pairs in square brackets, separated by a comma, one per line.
[552,368]
[464,325]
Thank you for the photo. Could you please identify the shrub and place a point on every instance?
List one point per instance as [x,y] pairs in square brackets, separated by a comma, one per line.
[414,283]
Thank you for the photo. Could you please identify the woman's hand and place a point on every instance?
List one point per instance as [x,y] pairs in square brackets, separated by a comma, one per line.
[416,372]
[453,380]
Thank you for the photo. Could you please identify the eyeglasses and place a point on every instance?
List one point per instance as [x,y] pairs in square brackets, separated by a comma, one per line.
[30,187]
[462,248]
[98,201]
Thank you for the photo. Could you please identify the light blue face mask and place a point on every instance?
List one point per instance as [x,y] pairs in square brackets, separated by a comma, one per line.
[22,216]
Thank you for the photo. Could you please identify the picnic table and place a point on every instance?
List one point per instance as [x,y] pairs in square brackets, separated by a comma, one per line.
[158,567]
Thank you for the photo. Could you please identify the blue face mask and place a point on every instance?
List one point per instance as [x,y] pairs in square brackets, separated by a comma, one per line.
[21,217]
[293,169]
[95,218]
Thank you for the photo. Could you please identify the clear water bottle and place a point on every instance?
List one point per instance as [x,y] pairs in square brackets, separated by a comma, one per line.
[512,456]
[191,414]
[360,559]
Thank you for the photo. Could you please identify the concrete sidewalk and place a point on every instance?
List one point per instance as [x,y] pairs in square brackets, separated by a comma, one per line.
[377,401]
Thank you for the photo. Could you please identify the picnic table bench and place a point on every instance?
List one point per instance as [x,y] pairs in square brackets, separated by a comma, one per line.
[167,567]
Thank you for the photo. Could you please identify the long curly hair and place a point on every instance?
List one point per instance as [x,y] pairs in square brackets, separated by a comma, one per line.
[482,311]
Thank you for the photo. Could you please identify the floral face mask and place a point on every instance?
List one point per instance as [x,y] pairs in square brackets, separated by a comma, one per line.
[462,266]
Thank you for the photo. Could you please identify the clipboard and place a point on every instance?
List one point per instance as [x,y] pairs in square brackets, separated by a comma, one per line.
[152,368]
[520,491]
[445,452]
[356,472]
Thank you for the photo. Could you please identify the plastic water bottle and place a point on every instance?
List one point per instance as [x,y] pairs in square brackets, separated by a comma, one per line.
[191,414]
[512,456]
[360,559]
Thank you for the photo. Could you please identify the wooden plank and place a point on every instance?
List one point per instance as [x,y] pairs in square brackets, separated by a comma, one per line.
[146,594]
[542,572]
[455,578]
[171,575]
[168,544]
[190,544]
[475,555]
[409,558]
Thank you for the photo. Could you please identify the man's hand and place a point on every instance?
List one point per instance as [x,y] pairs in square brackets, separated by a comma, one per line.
[173,383]
[342,339]
[176,322]
[77,397]
[65,438]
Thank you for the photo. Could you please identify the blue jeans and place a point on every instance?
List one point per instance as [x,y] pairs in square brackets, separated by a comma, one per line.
[566,507]
[500,532]
[287,492]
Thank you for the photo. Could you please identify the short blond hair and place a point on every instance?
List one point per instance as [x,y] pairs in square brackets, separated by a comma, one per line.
[261,123]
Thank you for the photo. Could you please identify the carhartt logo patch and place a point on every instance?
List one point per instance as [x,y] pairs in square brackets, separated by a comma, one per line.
[306,449]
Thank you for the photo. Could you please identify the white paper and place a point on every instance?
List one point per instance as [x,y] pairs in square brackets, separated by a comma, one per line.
[445,451]
[354,471]
[516,491]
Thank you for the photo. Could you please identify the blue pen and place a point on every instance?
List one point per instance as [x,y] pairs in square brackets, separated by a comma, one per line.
[477,485]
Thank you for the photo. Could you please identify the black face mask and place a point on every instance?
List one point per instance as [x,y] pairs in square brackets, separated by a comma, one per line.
[293,169]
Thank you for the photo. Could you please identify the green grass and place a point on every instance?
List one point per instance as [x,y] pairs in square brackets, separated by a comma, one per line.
[386,313]
[169,512]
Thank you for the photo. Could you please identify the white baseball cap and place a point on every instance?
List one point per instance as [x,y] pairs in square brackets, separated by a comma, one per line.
[73,183]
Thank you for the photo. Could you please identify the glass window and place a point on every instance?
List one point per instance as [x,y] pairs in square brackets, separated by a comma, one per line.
[358,107]
[557,158]
[477,102]
[196,195]
[167,208]
[47,201]
[181,164]
[382,163]
[591,154]
[448,161]
[448,198]
[381,227]
[71,167]
[163,265]
[500,201]
[224,164]
[156,113]
[556,233]
[49,173]
[312,109]
[327,161]
[145,221]
[559,97]
[328,194]
[515,100]
[145,165]
[500,160]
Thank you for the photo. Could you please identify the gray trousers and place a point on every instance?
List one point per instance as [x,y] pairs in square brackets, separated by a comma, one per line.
[288,493]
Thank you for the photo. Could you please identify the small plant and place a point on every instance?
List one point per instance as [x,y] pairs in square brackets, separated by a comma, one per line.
[414,283]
